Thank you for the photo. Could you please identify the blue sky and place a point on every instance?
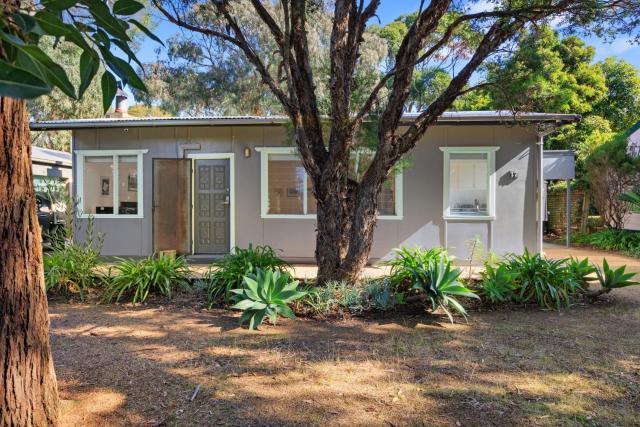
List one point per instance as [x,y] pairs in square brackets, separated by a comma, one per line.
[390,9]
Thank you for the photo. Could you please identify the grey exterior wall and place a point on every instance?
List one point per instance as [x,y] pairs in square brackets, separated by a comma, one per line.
[513,229]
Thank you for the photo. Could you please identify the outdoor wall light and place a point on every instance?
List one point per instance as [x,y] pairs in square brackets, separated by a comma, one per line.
[247,152]
[513,174]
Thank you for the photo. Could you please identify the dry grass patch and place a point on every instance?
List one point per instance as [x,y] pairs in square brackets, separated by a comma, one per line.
[140,366]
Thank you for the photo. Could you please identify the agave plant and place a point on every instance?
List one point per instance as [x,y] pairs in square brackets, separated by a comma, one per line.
[611,279]
[439,283]
[228,272]
[266,293]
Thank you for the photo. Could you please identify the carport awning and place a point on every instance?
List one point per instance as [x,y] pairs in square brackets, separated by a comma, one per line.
[559,164]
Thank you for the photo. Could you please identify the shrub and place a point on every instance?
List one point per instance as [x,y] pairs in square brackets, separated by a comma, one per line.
[611,279]
[439,283]
[266,294]
[333,296]
[547,282]
[71,267]
[610,239]
[612,171]
[580,270]
[497,283]
[153,275]
[228,272]
[379,295]
[406,260]
[374,294]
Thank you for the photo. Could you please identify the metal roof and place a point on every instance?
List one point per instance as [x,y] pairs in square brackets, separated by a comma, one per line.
[50,157]
[475,117]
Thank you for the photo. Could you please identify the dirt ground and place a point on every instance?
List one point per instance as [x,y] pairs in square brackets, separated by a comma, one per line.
[124,365]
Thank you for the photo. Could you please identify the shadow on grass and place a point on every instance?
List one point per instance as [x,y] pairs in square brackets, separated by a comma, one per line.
[140,366]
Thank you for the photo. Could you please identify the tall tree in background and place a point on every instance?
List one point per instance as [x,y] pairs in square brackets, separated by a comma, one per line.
[28,392]
[347,208]
[202,74]
[548,73]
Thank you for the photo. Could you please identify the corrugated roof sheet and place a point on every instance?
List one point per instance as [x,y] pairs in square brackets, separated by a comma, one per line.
[48,156]
[450,116]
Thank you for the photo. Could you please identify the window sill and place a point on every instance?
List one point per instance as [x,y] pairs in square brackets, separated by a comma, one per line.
[469,218]
[279,216]
[287,216]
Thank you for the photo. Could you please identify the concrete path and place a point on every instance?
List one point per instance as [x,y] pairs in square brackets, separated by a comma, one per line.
[596,256]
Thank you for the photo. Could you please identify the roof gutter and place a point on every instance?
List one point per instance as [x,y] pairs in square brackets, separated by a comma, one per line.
[560,119]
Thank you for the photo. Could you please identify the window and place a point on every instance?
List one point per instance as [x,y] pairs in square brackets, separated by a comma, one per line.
[469,182]
[110,183]
[287,190]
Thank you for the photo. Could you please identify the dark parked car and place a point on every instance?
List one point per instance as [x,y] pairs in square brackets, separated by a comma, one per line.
[48,217]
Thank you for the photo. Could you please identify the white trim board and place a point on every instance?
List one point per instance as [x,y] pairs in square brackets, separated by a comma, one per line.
[232,194]
[80,156]
[264,188]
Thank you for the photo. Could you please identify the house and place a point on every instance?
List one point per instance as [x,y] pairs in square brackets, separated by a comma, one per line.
[203,185]
[50,165]
[632,221]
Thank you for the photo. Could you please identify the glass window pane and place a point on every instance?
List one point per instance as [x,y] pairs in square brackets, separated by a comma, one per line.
[312,206]
[285,184]
[387,197]
[468,184]
[97,182]
[358,165]
[128,185]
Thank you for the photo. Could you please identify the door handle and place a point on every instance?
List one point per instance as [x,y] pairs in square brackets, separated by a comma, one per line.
[226,200]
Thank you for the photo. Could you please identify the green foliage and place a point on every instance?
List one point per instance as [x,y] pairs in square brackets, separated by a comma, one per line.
[498,284]
[56,106]
[71,266]
[136,279]
[405,260]
[580,270]
[228,272]
[374,294]
[633,198]
[266,293]
[438,281]
[621,106]
[380,295]
[27,71]
[610,239]
[548,74]
[610,279]
[547,282]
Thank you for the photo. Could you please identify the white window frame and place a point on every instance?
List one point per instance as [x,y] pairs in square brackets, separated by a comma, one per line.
[80,156]
[264,188]
[491,182]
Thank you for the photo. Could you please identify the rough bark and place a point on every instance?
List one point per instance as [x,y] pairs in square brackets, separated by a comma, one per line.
[28,390]
[347,210]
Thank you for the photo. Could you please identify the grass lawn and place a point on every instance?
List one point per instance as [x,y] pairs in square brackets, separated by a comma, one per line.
[121,365]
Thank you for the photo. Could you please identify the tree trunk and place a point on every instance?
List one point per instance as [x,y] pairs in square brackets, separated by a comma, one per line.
[584,217]
[28,390]
[346,224]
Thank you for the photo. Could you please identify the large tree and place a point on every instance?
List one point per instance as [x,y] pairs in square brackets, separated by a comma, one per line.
[347,208]
[28,392]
